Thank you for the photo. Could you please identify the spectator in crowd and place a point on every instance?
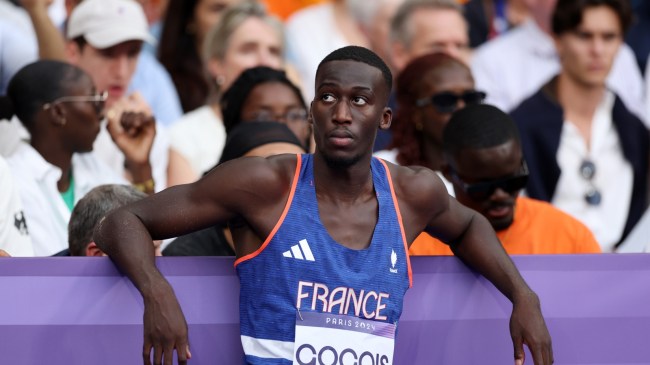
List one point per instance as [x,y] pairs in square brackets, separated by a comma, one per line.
[587,152]
[265,94]
[56,168]
[98,202]
[14,232]
[149,77]
[101,44]
[425,26]
[429,90]
[186,24]
[260,139]
[420,27]
[485,163]
[110,53]
[246,36]
[513,67]
[259,94]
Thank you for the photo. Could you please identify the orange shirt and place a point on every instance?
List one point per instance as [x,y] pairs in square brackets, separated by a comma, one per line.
[537,228]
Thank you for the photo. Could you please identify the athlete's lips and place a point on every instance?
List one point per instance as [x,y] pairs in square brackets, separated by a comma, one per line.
[340,133]
[340,137]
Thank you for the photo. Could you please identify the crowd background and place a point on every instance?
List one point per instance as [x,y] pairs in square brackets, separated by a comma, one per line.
[147,93]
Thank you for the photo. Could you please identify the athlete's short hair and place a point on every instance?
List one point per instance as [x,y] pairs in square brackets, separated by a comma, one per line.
[476,127]
[360,54]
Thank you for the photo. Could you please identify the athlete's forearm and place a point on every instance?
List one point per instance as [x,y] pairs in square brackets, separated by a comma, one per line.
[123,237]
[480,249]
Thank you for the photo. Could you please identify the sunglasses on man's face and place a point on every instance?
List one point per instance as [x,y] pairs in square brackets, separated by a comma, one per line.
[483,190]
[447,102]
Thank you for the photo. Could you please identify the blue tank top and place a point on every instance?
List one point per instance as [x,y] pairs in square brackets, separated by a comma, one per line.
[300,267]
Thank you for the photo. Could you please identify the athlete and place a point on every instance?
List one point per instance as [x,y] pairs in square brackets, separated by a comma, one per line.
[321,238]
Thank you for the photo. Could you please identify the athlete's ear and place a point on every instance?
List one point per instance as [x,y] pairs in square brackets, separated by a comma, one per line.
[386,118]
[310,116]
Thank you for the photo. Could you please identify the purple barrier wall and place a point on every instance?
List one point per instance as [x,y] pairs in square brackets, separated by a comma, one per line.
[82,311]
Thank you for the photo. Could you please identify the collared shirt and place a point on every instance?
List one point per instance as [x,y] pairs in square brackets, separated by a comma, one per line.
[46,214]
[613,177]
[515,65]
[14,232]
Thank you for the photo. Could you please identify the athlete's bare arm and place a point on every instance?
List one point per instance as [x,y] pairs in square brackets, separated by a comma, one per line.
[254,189]
[424,203]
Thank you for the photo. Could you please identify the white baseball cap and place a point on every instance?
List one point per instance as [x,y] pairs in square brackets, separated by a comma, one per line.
[105,23]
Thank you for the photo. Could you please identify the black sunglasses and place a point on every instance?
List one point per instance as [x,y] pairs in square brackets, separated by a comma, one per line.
[588,171]
[483,190]
[447,102]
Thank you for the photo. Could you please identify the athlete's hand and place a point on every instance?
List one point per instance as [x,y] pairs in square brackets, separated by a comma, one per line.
[165,329]
[527,326]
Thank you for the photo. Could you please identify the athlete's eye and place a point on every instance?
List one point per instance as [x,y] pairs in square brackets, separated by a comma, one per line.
[359,101]
[327,98]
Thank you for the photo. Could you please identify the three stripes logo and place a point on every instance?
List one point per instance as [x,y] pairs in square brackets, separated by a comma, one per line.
[301,251]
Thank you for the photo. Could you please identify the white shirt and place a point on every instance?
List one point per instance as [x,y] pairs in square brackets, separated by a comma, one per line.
[312,34]
[514,66]
[46,213]
[391,156]
[14,232]
[614,176]
[199,136]
[639,239]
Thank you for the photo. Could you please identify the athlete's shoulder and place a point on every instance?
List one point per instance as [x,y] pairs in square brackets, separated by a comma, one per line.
[415,184]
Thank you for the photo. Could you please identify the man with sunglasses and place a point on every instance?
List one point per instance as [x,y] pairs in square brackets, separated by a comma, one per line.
[429,90]
[486,167]
[586,149]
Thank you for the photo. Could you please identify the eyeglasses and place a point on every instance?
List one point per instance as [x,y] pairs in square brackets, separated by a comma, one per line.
[98,100]
[291,116]
[447,102]
[588,171]
[483,190]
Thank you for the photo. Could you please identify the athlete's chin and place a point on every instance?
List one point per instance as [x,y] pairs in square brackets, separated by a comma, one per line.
[340,161]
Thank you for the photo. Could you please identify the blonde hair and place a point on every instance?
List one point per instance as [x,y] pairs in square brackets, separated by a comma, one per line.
[217,40]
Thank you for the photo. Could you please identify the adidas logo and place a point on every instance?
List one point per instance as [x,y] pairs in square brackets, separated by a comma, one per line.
[296,253]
